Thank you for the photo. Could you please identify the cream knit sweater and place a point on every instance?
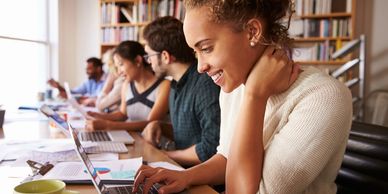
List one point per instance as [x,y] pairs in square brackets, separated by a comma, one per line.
[305,133]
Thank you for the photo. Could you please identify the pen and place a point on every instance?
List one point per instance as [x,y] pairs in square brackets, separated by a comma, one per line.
[6,160]
[27,108]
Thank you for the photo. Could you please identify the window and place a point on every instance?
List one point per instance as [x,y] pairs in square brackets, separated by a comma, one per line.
[24,51]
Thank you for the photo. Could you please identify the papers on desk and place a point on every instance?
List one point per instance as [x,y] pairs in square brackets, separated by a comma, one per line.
[165,165]
[112,170]
[13,149]
[63,145]
[43,157]
[65,156]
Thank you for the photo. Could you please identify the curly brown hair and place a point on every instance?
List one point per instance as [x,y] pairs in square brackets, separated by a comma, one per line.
[238,13]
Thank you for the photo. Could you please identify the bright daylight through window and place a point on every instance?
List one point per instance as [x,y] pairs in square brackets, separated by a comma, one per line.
[24,49]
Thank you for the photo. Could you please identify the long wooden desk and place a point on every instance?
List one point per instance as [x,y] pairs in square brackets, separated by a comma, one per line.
[34,130]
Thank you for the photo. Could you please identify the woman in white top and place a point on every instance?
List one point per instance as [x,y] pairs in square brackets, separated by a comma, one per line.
[283,129]
[110,97]
[144,96]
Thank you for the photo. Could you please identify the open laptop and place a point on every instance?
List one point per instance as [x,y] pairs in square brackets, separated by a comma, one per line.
[73,102]
[121,136]
[104,187]
[67,90]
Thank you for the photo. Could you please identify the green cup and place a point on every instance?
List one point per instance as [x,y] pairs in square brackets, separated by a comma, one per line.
[43,187]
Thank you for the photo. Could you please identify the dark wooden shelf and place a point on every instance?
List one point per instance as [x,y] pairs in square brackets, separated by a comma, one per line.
[123,25]
[117,1]
[315,39]
[323,16]
[321,62]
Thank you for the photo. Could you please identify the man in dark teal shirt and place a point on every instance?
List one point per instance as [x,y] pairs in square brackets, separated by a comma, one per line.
[193,100]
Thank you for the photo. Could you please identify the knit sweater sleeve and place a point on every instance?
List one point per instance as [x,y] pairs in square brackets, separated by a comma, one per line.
[317,125]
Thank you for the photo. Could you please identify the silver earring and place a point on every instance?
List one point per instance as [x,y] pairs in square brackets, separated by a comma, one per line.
[252,43]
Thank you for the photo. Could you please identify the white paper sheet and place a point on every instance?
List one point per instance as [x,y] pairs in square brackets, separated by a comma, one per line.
[13,149]
[63,145]
[109,170]
[166,165]
[66,156]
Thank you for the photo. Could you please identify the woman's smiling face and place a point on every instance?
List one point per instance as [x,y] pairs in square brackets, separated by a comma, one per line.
[222,52]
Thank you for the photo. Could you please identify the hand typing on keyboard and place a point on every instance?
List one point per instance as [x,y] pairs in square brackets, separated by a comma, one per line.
[92,125]
[170,181]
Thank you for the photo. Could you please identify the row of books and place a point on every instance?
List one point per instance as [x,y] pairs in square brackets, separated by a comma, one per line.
[326,28]
[172,8]
[315,52]
[307,7]
[118,34]
[129,12]
[113,13]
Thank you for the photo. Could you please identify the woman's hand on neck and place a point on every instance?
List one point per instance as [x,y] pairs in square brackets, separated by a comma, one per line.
[272,74]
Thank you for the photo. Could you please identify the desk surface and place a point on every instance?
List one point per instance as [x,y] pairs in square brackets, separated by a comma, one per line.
[33,130]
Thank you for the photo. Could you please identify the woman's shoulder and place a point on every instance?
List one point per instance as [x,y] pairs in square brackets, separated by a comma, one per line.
[313,78]
[165,83]
[163,86]
[314,82]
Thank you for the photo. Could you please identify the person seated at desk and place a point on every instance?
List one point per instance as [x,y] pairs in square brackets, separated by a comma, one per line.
[193,101]
[110,97]
[90,88]
[284,130]
[144,96]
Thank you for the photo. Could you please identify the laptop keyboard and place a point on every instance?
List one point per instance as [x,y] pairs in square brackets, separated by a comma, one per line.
[101,147]
[95,136]
[124,190]
[128,190]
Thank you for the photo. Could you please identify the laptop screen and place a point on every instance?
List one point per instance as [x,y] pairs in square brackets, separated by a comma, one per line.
[67,90]
[82,153]
[50,113]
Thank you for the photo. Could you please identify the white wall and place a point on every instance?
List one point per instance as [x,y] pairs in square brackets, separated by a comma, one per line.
[372,16]
[378,40]
[78,38]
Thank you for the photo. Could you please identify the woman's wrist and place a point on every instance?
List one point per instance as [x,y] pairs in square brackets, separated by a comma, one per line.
[255,96]
[189,174]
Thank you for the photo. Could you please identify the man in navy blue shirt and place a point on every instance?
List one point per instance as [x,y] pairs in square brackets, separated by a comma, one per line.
[193,101]
[90,89]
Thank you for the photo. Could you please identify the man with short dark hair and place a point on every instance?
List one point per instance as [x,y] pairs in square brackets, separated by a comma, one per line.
[91,87]
[193,101]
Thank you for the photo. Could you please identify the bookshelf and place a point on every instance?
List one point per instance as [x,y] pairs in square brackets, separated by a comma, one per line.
[125,19]
[319,28]
[323,32]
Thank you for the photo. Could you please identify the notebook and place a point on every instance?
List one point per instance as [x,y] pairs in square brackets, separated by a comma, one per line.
[104,187]
[121,136]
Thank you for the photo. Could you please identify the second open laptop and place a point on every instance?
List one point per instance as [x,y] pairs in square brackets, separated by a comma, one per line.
[101,186]
[105,138]
[73,102]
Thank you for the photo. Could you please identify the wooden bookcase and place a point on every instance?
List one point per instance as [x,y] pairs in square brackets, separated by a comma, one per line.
[125,19]
[320,27]
[115,27]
